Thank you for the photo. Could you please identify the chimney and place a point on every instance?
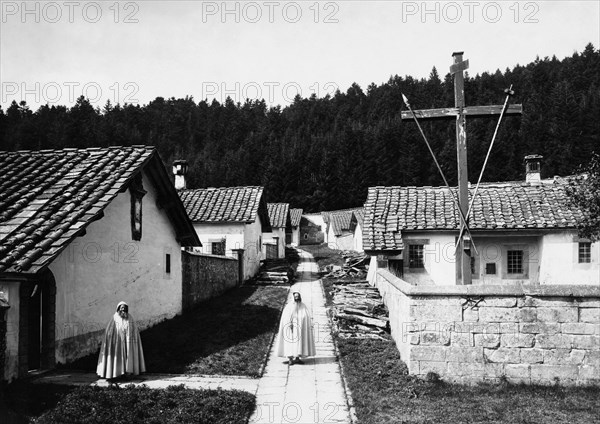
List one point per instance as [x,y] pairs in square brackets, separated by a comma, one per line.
[533,169]
[180,168]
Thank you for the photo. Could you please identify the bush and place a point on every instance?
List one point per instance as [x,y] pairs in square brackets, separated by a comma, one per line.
[131,404]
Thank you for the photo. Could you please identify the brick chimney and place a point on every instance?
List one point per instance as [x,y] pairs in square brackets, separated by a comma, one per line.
[180,168]
[533,169]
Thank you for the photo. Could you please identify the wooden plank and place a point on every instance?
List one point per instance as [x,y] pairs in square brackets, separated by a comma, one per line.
[486,111]
[461,154]
[470,111]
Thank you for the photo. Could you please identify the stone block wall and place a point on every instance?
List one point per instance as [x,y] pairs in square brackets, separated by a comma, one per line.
[206,276]
[530,334]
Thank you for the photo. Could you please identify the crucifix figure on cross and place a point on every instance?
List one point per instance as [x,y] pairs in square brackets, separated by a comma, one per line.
[460,112]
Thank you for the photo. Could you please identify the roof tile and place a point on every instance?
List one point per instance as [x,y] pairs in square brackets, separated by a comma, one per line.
[504,205]
[279,214]
[47,195]
[224,204]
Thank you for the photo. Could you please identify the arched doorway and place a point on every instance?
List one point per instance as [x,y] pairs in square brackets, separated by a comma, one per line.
[37,323]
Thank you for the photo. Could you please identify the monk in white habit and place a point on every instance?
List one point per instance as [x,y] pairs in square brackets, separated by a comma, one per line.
[295,332]
[121,351]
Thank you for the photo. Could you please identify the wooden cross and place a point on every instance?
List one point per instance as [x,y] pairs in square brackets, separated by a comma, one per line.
[460,112]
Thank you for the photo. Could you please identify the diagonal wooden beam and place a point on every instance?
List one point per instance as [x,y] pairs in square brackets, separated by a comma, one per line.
[469,111]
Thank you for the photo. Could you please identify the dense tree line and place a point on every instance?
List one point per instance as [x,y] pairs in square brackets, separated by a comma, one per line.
[323,153]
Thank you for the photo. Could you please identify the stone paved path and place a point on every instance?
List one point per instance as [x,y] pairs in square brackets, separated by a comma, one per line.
[313,392]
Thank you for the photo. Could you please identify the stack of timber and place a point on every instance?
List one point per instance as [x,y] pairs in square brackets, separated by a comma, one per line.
[274,271]
[355,266]
[358,311]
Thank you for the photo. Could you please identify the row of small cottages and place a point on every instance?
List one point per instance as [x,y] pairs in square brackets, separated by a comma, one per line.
[82,229]
[237,222]
[340,229]
[523,232]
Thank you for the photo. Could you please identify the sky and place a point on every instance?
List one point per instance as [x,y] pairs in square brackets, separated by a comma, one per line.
[135,51]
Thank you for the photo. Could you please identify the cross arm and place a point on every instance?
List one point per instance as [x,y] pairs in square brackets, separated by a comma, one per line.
[470,111]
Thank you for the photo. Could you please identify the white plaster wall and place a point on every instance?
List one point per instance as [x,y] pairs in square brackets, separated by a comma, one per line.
[233,233]
[330,238]
[252,248]
[551,259]
[343,242]
[438,257]
[493,250]
[358,240]
[372,272]
[11,363]
[296,236]
[560,261]
[106,266]
[277,232]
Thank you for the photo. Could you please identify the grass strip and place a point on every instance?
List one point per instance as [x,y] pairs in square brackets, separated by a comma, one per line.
[130,404]
[227,335]
[384,393]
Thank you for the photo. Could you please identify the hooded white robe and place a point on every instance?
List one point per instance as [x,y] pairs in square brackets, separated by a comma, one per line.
[121,351]
[295,331]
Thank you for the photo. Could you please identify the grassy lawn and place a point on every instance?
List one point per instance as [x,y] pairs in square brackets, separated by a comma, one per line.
[228,335]
[21,401]
[128,404]
[384,393]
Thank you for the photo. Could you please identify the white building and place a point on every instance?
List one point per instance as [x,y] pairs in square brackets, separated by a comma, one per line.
[359,217]
[295,218]
[81,230]
[341,228]
[279,215]
[230,221]
[524,233]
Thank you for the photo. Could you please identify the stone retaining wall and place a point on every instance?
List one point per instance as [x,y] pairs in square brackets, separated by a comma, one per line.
[530,334]
[206,276]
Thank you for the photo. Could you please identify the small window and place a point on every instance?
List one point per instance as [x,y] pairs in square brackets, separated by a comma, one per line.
[490,268]
[585,252]
[305,236]
[218,248]
[514,263]
[472,264]
[415,256]
[168,263]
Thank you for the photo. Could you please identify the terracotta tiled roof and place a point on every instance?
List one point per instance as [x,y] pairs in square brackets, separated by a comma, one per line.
[360,215]
[225,204]
[498,206]
[49,197]
[295,216]
[339,220]
[279,214]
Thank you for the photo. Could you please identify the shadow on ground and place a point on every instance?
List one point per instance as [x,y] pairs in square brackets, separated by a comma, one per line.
[227,335]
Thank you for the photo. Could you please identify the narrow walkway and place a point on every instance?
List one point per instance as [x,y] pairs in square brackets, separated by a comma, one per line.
[313,392]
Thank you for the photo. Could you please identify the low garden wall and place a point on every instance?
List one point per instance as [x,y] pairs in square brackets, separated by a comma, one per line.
[532,334]
[206,276]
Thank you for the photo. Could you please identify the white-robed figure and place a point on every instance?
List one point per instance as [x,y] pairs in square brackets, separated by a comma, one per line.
[121,351]
[295,332]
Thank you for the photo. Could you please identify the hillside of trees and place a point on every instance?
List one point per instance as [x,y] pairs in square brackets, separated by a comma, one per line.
[323,153]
